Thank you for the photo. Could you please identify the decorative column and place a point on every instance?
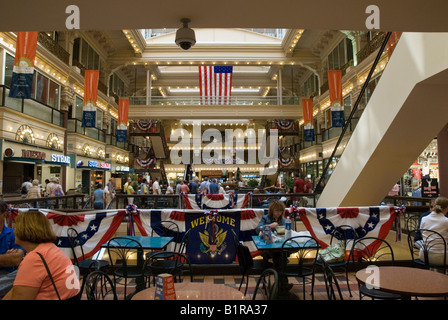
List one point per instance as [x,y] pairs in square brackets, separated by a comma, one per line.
[279,87]
[67,99]
[148,86]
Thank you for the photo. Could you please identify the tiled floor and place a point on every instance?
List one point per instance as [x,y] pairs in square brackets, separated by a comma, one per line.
[294,294]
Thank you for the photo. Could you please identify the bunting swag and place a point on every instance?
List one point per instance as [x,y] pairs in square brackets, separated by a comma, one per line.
[144,125]
[90,97]
[284,125]
[145,163]
[215,201]
[122,125]
[210,236]
[336,102]
[285,162]
[23,69]
[308,128]
[367,222]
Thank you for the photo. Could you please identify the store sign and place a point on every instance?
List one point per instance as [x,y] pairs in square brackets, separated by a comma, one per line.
[60,158]
[122,168]
[31,154]
[9,152]
[96,164]
[430,188]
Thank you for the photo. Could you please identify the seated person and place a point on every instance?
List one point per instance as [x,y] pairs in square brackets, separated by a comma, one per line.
[34,233]
[258,201]
[436,221]
[10,253]
[273,219]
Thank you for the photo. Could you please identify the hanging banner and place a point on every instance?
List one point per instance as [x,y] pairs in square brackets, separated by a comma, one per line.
[23,70]
[122,126]
[336,102]
[308,128]
[392,42]
[90,96]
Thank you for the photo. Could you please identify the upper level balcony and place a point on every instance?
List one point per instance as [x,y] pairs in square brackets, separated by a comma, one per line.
[193,107]
[31,107]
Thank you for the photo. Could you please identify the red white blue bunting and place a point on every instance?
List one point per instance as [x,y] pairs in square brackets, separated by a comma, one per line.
[99,226]
[145,163]
[144,125]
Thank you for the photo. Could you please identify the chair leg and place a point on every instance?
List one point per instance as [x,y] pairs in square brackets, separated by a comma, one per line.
[303,288]
[348,285]
[247,284]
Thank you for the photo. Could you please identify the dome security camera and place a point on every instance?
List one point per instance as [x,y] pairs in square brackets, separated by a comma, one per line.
[185,37]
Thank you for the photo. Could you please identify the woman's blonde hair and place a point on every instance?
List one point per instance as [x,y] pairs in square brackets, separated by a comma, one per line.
[440,204]
[276,205]
[33,226]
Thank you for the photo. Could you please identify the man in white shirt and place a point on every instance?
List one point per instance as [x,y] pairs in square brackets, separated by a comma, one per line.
[156,187]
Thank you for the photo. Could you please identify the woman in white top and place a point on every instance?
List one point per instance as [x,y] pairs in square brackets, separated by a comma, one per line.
[34,191]
[435,221]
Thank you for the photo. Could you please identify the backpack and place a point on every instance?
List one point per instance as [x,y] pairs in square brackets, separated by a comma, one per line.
[24,190]
[58,192]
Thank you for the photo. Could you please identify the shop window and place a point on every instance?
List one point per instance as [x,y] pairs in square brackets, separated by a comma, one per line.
[99,119]
[53,95]
[79,102]
[9,64]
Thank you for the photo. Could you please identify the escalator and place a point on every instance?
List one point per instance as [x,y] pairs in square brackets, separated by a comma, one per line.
[406,111]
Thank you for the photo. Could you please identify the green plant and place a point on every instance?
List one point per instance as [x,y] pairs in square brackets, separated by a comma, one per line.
[252,183]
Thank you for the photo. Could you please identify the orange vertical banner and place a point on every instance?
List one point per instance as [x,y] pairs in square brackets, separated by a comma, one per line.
[23,70]
[392,42]
[336,100]
[123,110]
[91,78]
[122,128]
[308,129]
[307,106]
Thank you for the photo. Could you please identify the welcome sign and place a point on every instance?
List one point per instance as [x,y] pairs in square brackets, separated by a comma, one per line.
[211,238]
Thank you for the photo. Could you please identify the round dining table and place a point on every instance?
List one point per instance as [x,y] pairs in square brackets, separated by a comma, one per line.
[196,291]
[405,281]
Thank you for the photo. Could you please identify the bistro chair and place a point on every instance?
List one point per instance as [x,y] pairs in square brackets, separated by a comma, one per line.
[331,282]
[372,251]
[412,222]
[125,250]
[171,262]
[99,286]
[305,249]
[166,229]
[84,265]
[342,234]
[267,285]
[420,250]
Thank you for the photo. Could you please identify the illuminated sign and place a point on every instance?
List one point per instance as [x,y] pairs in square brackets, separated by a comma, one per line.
[96,164]
[60,158]
[122,168]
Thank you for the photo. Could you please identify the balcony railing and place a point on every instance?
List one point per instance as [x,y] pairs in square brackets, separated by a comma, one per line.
[196,100]
[52,46]
[31,107]
[75,125]
[112,140]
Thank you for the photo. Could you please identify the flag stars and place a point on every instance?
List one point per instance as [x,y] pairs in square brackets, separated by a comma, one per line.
[93,227]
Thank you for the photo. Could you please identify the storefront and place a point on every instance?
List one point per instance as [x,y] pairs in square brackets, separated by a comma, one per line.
[20,161]
[89,172]
[120,174]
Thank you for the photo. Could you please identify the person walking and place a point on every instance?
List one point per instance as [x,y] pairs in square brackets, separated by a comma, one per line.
[98,197]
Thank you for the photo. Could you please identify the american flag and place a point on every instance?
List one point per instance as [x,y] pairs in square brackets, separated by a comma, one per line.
[215,83]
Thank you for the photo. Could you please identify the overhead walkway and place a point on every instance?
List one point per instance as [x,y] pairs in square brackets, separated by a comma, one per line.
[407,110]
